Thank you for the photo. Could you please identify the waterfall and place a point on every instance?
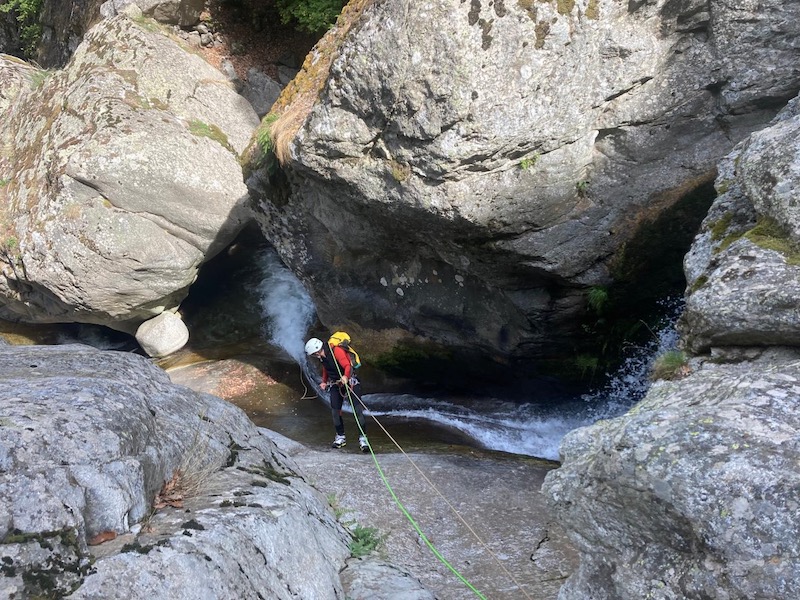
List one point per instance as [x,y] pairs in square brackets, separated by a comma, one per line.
[532,428]
[287,308]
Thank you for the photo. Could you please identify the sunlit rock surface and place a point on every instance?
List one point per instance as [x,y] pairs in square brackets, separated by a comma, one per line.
[121,179]
[693,493]
[470,169]
[92,442]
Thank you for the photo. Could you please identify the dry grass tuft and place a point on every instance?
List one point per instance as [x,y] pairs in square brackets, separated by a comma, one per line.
[200,461]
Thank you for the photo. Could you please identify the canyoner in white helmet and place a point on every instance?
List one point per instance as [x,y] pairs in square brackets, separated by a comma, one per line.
[339,377]
[313,346]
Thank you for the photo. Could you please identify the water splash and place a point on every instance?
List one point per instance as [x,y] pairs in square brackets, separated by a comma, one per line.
[535,429]
[531,429]
[287,308]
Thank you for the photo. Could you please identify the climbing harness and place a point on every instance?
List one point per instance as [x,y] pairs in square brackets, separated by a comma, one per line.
[350,395]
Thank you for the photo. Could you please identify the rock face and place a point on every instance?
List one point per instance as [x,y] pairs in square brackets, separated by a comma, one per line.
[122,178]
[87,441]
[470,169]
[63,27]
[744,266]
[64,24]
[693,493]
[9,34]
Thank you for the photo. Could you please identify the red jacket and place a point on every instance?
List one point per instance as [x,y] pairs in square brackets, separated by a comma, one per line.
[341,356]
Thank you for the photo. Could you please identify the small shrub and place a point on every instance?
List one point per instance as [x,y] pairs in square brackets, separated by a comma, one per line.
[338,511]
[264,133]
[310,16]
[673,364]
[365,540]
[28,18]
[198,464]
[529,162]
[597,298]
[582,187]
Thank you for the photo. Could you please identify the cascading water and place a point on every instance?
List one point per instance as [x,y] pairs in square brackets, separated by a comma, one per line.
[287,308]
[533,429]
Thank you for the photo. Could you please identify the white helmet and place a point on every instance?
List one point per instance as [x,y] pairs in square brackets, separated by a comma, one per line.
[313,345]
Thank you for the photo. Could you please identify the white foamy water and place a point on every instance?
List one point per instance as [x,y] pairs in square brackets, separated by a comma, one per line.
[536,429]
[286,306]
[533,429]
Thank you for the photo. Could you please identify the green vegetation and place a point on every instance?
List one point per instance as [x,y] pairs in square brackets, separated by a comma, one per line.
[530,161]
[30,30]
[598,298]
[673,364]
[718,228]
[771,235]
[338,511]
[724,186]
[365,540]
[587,365]
[264,135]
[37,78]
[310,16]
[698,283]
[767,234]
[213,132]
[4,182]
[645,270]
[415,361]
[582,187]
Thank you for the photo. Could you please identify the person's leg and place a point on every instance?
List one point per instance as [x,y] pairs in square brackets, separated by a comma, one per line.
[336,407]
[358,409]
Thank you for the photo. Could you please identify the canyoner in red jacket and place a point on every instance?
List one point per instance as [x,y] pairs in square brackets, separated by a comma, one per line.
[338,386]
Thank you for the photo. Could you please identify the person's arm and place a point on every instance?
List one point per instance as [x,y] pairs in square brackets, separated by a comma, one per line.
[324,375]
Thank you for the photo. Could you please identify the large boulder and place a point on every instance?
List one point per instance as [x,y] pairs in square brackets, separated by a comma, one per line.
[693,493]
[183,13]
[116,483]
[743,269]
[123,177]
[469,170]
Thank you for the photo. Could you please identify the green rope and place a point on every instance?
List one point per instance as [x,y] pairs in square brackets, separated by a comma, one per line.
[397,501]
[411,520]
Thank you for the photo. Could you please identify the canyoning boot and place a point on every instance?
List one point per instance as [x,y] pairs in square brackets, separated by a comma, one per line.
[363,444]
[339,441]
